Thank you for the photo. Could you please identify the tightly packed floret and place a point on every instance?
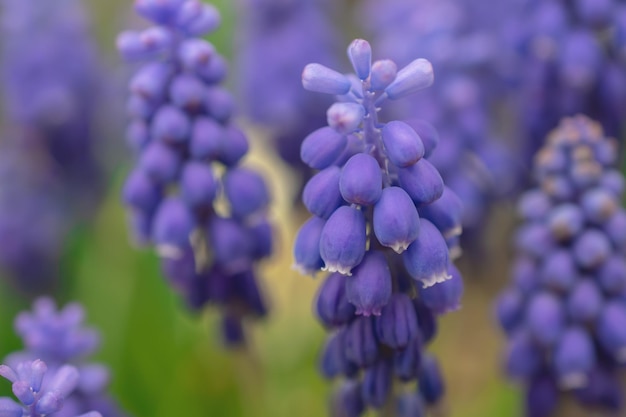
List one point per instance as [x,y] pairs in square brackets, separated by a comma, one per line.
[187,194]
[382,225]
[51,374]
[565,311]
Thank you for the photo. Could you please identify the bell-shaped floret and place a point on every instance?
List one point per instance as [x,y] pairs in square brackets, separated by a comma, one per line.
[426,259]
[558,271]
[397,324]
[584,301]
[574,358]
[444,296]
[361,180]
[334,361]
[246,192]
[421,181]
[369,287]
[523,357]
[565,221]
[611,331]
[321,194]
[545,318]
[395,220]
[306,249]
[321,79]
[343,240]
[322,147]
[206,138]
[591,248]
[361,343]
[172,227]
[403,146]
[140,192]
[445,213]
[160,162]
[431,385]
[376,386]
[233,147]
[332,305]
[198,185]
[415,76]
[535,205]
[509,309]
[230,244]
[407,362]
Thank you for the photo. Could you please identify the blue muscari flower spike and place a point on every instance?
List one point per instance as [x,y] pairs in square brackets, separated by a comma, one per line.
[564,311]
[188,167]
[52,371]
[383,224]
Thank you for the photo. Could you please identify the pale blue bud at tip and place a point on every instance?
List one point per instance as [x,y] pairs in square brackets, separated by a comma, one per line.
[369,288]
[8,373]
[395,220]
[322,147]
[360,54]
[343,240]
[427,258]
[64,380]
[345,118]
[361,180]
[321,79]
[403,146]
[414,77]
[383,74]
[50,402]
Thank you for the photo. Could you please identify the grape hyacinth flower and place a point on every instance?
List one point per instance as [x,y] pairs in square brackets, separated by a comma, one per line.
[51,82]
[52,375]
[383,226]
[565,310]
[285,36]
[188,195]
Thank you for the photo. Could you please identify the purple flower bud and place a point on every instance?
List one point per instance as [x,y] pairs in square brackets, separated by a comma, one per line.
[213,70]
[160,162]
[534,240]
[233,147]
[156,40]
[321,79]
[233,333]
[403,146]
[559,271]
[376,386]
[566,221]
[397,324]
[137,135]
[197,19]
[361,343]
[509,309]
[139,107]
[574,358]
[361,180]
[426,259]
[407,362]
[523,358]
[369,288]
[611,331]
[262,236]
[599,205]
[360,54]
[230,244]
[615,229]
[245,290]
[612,275]
[23,392]
[541,396]
[396,222]
[343,240]
[196,53]
[219,104]
[613,181]
[535,205]
[426,320]
[347,400]
[140,223]
[427,134]
[603,390]
[170,125]
[151,81]
[345,118]
[321,194]
[50,402]
[584,302]
[334,361]
[159,11]
[141,193]
[410,405]
[187,92]
[198,185]
[206,138]
[445,213]
[64,381]
[421,181]
[322,147]
[332,306]
[173,224]
[410,79]
[383,74]
[591,248]
[431,384]
[525,275]
[130,46]
[545,318]
[246,192]
[444,296]
[306,249]
[9,408]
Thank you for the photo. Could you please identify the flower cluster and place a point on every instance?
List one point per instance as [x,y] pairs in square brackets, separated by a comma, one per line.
[51,375]
[285,36]
[188,195]
[51,80]
[382,225]
[452,35]
[570,59]
[565,311]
